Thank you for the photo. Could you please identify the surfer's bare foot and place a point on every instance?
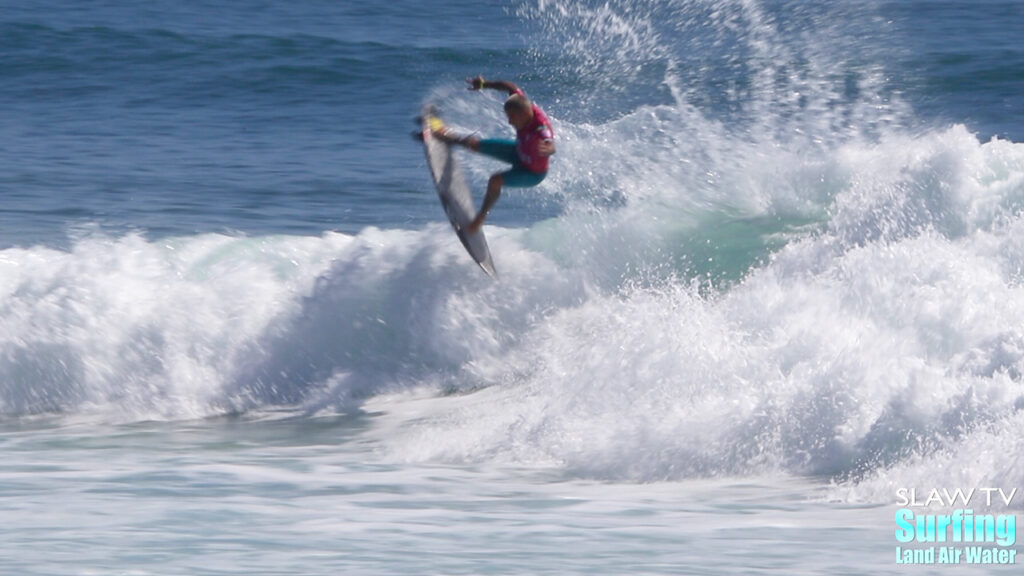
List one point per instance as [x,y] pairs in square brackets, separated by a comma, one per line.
[475,226]
[450,135]
[439,130]
[453,136]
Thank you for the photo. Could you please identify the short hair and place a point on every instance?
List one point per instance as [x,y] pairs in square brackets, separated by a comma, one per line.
[518,103]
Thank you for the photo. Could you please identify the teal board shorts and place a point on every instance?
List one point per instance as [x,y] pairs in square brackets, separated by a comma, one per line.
[505,150]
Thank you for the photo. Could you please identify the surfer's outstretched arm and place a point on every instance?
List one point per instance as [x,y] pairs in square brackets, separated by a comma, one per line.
[479,83]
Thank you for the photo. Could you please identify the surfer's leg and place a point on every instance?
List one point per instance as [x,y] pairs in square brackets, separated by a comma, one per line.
[499,149]
[520,177]
[450,135]
[517,177]
[490,199]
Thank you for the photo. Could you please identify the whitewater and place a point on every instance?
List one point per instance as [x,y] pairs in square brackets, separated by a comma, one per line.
[892,326]
[760,295]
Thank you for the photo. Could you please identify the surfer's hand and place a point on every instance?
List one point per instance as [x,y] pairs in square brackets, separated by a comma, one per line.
[546,148]
[476,83]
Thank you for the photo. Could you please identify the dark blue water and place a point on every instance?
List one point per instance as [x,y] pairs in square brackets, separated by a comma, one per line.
[961,64]
[181,118]
[210,116]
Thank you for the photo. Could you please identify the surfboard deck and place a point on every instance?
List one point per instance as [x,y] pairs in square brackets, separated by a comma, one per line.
[454,192]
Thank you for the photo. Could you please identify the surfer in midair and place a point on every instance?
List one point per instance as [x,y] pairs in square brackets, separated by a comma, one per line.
[528,153]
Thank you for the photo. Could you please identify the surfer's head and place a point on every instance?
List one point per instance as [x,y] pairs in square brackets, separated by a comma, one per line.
[519,110]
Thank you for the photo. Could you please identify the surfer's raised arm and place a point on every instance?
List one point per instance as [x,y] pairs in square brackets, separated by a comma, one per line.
[479,83]
[546,147]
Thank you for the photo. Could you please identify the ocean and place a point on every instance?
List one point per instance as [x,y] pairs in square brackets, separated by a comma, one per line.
[764,316]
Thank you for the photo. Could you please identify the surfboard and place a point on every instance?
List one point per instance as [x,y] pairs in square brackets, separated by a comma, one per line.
[454,192]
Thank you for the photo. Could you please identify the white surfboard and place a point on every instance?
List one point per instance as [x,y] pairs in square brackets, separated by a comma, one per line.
[455,195]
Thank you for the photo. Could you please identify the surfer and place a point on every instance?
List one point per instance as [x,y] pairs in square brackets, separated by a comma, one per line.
[528,153]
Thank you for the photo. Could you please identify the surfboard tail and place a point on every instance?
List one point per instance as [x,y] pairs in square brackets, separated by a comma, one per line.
[488,267]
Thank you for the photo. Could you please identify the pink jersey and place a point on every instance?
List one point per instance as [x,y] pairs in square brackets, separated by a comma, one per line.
[529,139]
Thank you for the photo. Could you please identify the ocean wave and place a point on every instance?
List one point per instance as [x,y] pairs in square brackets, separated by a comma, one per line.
[889,332]
[798,284]
[844,355]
